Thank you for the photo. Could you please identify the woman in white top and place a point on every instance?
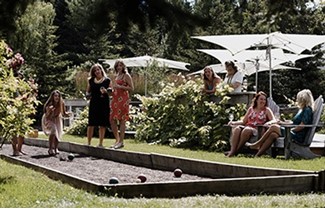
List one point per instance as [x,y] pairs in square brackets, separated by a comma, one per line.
[233,78]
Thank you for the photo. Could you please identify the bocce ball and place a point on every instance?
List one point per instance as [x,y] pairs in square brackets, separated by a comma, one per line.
[71,156]
[142,178]
[178,172]
[113,180]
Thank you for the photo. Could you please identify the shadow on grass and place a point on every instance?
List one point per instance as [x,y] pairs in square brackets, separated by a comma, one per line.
[6,180]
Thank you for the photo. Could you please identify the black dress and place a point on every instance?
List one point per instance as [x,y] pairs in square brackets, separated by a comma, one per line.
[99,104]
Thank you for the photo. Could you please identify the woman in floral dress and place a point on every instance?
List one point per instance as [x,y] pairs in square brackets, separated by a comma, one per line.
[120,102]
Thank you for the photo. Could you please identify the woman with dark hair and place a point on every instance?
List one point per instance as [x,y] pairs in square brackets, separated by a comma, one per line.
[52,125]
[122,85]
[233,78]
[257,114]
[211,80]
[99,109]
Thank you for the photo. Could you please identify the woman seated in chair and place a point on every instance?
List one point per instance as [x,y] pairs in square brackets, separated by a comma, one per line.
[305,102]
[257,114]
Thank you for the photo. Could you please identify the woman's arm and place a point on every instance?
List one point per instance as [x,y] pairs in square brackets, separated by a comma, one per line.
[64,112]
[238,78]
[129,82]
[88,94]
[241,122]
[206,90]
[270,116]
[235,85]
[49,111]
[307,115]
[245,119]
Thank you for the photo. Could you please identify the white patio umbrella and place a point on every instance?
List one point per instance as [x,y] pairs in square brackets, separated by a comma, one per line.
[248,68]
[145,61]
[296,43]
[259,59]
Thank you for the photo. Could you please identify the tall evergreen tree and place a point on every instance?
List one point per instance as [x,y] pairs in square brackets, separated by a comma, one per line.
[35,39]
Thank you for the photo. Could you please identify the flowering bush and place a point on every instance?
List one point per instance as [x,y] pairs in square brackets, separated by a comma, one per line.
[18,97]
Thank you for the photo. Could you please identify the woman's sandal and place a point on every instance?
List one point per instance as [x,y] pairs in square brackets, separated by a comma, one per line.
[118,145]
[50,151]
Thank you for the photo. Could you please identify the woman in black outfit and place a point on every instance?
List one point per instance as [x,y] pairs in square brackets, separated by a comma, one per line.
[99,109]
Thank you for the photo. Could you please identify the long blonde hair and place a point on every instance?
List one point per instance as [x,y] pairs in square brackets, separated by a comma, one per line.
[305,99]
[95,66]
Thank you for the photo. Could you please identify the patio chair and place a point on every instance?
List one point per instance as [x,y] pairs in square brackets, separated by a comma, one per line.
[273,106]
[300,150]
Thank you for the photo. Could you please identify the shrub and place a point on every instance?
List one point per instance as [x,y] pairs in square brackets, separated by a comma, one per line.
[182,117]
[79,125]
[18,96]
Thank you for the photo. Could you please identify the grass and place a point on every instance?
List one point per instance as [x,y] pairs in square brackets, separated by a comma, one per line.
[21,187]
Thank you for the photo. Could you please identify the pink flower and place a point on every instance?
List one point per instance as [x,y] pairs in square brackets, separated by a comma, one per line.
[16,61]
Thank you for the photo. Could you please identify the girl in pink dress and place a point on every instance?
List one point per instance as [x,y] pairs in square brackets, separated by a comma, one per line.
[52,125]
[243,130]
[120,102]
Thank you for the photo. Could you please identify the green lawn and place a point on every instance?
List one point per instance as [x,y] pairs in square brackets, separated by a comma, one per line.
[21,187]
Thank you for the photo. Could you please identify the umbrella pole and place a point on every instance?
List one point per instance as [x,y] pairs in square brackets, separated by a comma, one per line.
[270,66]
[256,74]
[146,82]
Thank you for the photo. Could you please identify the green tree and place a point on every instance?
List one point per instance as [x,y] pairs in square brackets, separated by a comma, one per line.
[35,38]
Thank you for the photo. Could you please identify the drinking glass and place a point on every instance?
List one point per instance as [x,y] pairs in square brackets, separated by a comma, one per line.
[231,117]
[101,90]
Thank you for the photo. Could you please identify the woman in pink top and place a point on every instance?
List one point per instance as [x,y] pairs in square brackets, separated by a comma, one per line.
[257,114]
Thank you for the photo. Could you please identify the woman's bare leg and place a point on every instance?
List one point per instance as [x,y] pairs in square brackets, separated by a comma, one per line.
[234,140]
[14,142]
[20,144]
[55,145]
[102,130]
[90,133]
[115,131]
[245,135]
[267,144]
[51,144]
[272,129]
[122,131]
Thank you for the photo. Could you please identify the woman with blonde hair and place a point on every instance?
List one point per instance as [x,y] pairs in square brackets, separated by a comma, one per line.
[52,125]
[99,109]
[305,103]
